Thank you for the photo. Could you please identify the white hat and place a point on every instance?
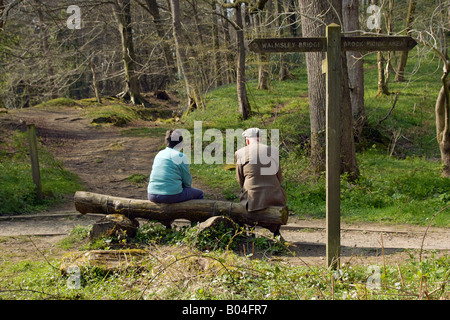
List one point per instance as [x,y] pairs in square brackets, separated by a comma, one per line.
[251,133]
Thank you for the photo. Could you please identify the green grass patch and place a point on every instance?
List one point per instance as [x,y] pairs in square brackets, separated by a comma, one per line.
[17,192]
[115,114]
[138,178]
[58,102]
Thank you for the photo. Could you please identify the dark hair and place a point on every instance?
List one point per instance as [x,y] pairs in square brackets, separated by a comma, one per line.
[172,138]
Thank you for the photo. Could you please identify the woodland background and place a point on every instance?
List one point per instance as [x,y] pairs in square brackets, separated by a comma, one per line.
[129,47]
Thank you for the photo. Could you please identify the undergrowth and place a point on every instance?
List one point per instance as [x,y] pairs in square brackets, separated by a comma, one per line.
[17,191]
[190,271]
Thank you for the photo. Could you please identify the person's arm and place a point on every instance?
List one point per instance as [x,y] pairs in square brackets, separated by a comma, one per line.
[239,171]
[186,177]
[279,175]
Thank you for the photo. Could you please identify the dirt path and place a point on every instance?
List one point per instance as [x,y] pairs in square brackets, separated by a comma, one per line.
[104,159]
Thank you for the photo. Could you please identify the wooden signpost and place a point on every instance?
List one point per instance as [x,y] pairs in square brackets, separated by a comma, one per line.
[334,44]
[31,129]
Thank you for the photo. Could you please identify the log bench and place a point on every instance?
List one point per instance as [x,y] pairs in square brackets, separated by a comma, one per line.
[193,210]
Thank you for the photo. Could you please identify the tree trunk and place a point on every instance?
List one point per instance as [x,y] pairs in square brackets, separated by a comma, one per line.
[443,123]
[193,94]
[400,75]
[168,58]
[94,81]
[263,75]
[2,8]
[261,24]
[350,15]
[317,87]
[316,83]
[382,84]
[229,48]
[216,73]
[244,106]
[200,51]
[443,26]
[122,13]
[46,50]
[284,72]
[390,29]
[193,210]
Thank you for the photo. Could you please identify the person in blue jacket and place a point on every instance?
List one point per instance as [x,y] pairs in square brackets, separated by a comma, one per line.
[170,179]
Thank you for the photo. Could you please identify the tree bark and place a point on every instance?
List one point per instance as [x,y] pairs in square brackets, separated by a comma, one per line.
[316,83]
[244,105]
[47,53]
[261,24]
[443,124]
[2,8]
[168,59]
[193,210]
[400,74]
[122,13]
[94,81]
[230,72]
[2,23]
[193,94]
[284,72]
[350,15]
[216,73]
[382,84]
[316,89]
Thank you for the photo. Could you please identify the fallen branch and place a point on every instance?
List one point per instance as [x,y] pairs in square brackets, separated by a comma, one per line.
[390,110]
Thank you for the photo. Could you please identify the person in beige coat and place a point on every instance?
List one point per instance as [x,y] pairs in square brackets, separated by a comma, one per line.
[258,173]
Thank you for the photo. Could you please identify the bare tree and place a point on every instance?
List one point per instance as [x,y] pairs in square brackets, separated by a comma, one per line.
[193,94]
[217,78]
[282,8]
[400,74]
[350,14]
[244,105]
[432,35]
[153,8]
[122,13]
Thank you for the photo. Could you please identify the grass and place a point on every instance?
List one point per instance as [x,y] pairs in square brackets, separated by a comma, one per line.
[17,192]
[58,102]
[183,272]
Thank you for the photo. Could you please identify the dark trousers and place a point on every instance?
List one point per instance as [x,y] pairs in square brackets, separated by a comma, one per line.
[185,195]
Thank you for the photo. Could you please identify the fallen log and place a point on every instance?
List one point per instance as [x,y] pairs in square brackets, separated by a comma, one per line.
[193,210]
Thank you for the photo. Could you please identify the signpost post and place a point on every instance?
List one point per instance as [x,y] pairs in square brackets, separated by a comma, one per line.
[334,44]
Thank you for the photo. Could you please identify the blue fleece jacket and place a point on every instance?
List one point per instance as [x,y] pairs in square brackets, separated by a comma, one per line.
[170,173]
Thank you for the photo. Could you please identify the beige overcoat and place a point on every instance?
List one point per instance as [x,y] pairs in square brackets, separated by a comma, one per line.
[259,175]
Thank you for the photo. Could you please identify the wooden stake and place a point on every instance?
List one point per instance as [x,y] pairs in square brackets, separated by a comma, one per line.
[333,98]
[31,129]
